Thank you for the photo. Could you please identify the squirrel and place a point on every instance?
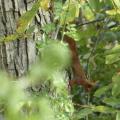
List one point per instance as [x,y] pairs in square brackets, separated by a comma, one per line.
[78,72]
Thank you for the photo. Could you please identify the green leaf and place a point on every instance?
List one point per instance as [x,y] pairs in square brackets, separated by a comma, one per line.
[84,112]
[110,59]
[70,12]
[116,85]
[27,18]
[30,29]
[95,4]
[118,115]
[45,4]
[113,55]
[116,89]
[102,90]
[88,13]
[114,50]
[23,23]
[9,38]
[113,12]
[117,3]
[103,109]
[49,27]
[112,101]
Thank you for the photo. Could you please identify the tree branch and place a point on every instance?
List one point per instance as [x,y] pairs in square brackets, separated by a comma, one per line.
[90,22]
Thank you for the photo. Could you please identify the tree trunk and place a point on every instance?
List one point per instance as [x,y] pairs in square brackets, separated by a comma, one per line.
[16,57]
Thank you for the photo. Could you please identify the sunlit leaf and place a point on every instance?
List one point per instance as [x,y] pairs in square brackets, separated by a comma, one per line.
[117,3]
[103,109]
[10,38]
[113,12]
[112,58]
[25,20]
[45,4]
[118,116]
[88,13]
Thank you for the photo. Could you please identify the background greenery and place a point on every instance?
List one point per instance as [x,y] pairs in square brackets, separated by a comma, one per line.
[97,34]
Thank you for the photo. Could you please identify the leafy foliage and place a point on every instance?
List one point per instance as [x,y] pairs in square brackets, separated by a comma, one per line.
[94,24]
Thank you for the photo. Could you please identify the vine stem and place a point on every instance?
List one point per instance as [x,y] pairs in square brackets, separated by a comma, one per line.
[64,25]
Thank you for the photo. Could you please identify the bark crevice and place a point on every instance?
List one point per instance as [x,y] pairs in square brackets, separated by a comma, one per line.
[18,56]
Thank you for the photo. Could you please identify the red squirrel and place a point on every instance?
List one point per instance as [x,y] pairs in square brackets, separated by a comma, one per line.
[78,72]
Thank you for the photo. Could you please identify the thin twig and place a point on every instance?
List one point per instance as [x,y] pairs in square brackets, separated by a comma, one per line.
[79,105]
[90,22]
[91,53]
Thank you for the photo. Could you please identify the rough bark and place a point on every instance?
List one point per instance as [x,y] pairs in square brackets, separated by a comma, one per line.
[16,57]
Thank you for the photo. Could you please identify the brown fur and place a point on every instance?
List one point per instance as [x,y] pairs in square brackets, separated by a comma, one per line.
[79,74]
